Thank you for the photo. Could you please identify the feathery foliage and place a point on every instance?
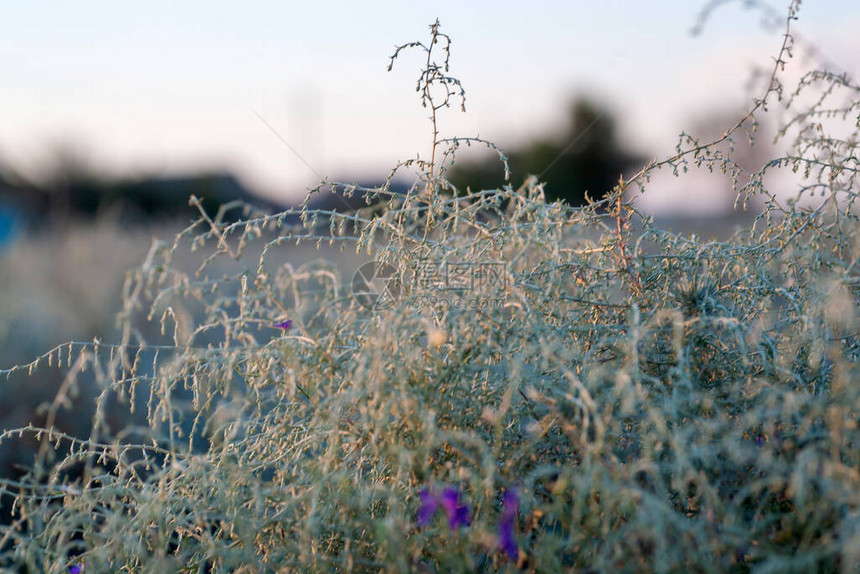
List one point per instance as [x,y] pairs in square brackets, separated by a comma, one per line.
[576,388]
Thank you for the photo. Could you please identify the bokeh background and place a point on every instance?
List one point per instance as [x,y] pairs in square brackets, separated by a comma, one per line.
[167,89]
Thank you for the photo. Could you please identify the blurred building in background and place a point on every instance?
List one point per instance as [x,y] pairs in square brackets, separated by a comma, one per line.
[140,199]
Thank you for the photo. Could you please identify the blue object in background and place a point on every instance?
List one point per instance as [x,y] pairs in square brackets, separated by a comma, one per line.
[8,225]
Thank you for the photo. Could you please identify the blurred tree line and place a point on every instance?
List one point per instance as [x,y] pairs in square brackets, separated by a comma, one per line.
[70,187]
[585,157]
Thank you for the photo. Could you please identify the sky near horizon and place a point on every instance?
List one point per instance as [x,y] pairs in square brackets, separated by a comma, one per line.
[164,87]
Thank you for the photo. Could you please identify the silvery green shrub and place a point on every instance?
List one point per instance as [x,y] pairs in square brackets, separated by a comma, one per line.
[529,386]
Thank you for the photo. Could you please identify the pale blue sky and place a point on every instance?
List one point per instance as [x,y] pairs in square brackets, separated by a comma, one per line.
[162,87]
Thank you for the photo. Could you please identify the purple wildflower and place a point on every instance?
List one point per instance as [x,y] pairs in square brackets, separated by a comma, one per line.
[507,523]
[428,507]
[458,514]
[759,441]
[285,325]
[449,500]
[76,569]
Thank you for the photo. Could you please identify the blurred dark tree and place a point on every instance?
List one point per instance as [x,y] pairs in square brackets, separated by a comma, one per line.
[585,157]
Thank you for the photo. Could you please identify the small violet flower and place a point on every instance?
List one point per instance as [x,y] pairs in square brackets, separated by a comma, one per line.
[428,507]
[285,325]
[507,523]
[458,514]
[77,569]
[449,500]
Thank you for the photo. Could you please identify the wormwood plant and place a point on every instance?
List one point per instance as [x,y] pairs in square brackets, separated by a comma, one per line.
[438,91]
[591,393]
